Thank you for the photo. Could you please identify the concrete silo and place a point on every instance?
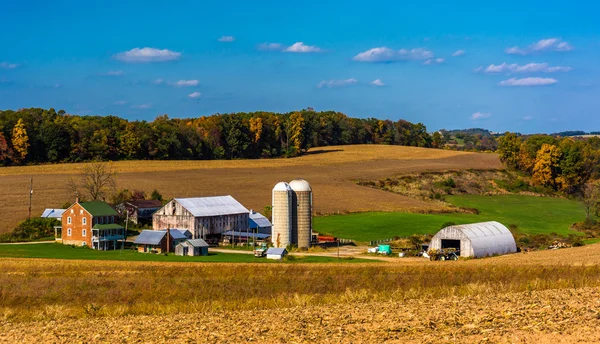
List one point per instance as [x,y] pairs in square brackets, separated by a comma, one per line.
[301,213]
[282,215]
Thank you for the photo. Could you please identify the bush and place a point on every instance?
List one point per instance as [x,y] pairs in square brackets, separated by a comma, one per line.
[32,229]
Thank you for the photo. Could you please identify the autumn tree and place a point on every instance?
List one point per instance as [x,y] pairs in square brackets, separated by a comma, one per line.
[546,168]
[297,136]
[437,140]
[20,140]
[508,148]
[6,153]
[96,180]
[590,198]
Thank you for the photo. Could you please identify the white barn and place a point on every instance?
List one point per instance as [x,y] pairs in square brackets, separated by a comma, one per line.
[202,216]
[476,240]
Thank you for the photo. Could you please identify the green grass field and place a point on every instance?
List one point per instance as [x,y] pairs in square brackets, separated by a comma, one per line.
[532,215]
[59,251]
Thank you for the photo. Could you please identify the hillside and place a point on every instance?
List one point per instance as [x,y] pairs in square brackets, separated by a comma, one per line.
[330,170]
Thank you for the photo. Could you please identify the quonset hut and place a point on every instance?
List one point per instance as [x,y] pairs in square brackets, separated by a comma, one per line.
[476,240]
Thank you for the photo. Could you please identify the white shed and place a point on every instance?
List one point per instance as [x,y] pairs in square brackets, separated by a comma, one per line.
[276,253]
[476,240]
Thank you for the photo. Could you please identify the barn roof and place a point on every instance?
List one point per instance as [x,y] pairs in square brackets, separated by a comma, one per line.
[487,238]
[197,243]
[176,234]
[150,237]
[99,208]
[258,220]
[247,235]
[212,206]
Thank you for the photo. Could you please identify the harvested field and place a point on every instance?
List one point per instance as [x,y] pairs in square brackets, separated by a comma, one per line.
[532,297]
[330,170]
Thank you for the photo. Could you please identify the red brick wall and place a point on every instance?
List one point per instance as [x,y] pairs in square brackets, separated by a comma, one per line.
[77,213]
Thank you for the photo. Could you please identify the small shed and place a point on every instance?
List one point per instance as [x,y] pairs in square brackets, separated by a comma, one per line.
[150,241]
[476,240]
[185,232]
[276,253]
[53,214]
[195,247]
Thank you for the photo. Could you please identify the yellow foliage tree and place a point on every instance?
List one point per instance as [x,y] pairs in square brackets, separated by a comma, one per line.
[546,168]
[297,131]
[256,127]
[20,140]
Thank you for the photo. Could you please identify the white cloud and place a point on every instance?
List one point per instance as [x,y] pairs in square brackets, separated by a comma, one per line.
[115,73]
[6,65]
[121,102]
[195,95]
[337,83]
[527,118]
[433,61]
[377,82]
[186,83]
[528,82]
[528,68]
[458,53]
[269,46]
[142,106]
[480,115]
[300,47]
[147,55]
[549,44]
[226,39]
[385,54]
[158,82]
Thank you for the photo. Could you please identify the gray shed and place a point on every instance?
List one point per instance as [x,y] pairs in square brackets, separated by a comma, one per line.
[195,247]
[476,240]
[276,253]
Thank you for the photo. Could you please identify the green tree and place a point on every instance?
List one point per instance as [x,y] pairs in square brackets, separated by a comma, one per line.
[508,149]
[437,140]
[156,195]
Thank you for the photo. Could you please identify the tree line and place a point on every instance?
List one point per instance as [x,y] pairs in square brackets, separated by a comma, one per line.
[43,135]
[561,164]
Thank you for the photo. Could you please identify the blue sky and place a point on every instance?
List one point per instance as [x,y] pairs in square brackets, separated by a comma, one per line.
[529,66]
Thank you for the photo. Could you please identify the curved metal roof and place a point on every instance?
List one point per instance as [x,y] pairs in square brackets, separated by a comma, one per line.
[282,186]
[300,185]
[487,238]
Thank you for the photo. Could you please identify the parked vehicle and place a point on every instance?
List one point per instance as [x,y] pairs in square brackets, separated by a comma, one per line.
[260,250]
[443,254]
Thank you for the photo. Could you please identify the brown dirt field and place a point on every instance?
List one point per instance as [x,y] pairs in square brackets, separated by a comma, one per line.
[330,170]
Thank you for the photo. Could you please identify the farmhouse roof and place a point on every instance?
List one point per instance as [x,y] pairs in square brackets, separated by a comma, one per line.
[150,237]
[258,220]
[212,206]
[99,208]
[53,213]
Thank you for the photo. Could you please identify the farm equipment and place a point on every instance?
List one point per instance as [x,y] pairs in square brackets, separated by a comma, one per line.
[261,250]
[443,254]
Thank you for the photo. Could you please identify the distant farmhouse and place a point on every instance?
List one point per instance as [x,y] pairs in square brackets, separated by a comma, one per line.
[53,214]
[92,224]
[204,217]
[139,212]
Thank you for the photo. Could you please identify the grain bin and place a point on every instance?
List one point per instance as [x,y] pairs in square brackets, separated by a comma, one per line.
[282,215]
[301,213]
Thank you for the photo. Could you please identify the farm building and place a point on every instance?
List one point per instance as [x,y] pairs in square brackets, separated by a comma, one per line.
[92,224]
[159,241]
[194,247]
[476,240]
[259,223]
[139,211]
[276,253]
[203,216]
[53,214]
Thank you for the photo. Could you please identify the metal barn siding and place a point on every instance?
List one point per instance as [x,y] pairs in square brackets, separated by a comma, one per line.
[301,212]
[282,215]
[478,239]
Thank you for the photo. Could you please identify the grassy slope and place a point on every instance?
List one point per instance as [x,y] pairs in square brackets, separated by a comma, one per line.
[59,251]
[531,215]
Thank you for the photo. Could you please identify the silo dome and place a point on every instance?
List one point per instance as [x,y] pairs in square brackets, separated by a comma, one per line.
[300,185]
[282,186]
[301,213]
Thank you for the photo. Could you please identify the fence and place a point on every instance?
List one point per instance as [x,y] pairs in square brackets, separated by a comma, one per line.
[382,241]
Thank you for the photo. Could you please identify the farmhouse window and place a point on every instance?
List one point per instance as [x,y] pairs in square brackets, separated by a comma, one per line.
[69,232]
[83,232]
[84,221]
[69,220]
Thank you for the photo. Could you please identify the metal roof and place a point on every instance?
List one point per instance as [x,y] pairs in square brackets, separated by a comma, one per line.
[248,235]
[258,220]
[99,208]
[146,204]
[175,233]
[487,238]
[107,226]
[276,251]
[212,206]
[197,243]
[150,237]
[53,213]
[282,186]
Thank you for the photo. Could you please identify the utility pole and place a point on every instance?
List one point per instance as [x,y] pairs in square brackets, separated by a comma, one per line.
[30,195]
